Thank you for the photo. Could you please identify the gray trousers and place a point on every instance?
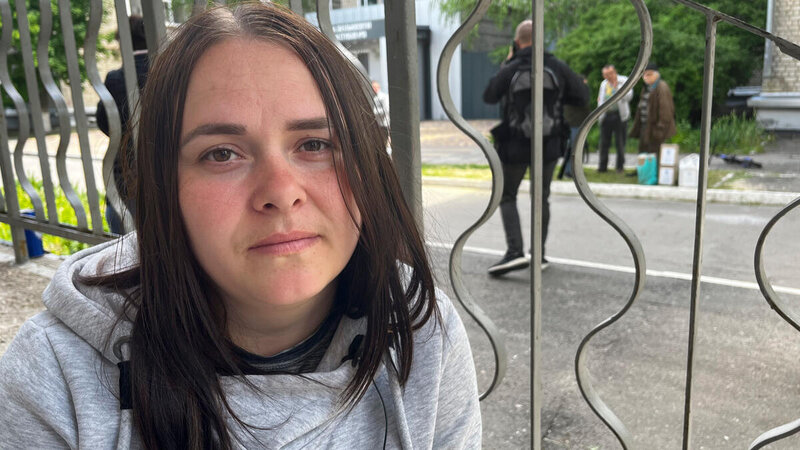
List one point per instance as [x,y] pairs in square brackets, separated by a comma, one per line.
[512,177]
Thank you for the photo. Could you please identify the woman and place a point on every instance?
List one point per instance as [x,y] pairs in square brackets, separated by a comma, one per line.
[276,292]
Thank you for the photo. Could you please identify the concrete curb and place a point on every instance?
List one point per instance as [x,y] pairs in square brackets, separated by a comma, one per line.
[637,191]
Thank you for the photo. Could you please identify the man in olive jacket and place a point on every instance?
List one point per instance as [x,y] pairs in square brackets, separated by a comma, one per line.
[655,116]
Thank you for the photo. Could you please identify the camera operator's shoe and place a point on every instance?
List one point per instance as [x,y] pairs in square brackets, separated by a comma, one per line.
[509,263]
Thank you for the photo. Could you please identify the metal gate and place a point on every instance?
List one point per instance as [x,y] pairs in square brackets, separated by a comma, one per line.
[405,112]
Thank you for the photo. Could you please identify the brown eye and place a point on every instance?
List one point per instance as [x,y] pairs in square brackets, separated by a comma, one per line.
[220,155]
[315,145]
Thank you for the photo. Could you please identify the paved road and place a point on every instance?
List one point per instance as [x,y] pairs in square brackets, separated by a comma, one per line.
[746,368]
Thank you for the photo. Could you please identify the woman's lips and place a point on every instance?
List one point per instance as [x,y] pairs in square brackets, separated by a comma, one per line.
[285,243]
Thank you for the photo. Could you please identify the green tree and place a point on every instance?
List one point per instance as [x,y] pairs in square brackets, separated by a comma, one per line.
[560,15]
[57,57]
[588,34]
[609,33]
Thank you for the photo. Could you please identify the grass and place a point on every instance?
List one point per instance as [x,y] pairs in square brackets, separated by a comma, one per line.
[717,179]
[66,215]
[469,171]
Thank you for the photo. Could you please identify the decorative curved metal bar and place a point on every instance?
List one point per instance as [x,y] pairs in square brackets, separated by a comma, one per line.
[81,121]
[5,81]
[581,371]
[36,111]
[783,310]
[324,21]
[114,127]
[2,199]
[761,276]
[64,127]
[296,6]
[132,89]
[22,112]
[198,6]
[787,47]
[791,49]
[775,434]
[456,276]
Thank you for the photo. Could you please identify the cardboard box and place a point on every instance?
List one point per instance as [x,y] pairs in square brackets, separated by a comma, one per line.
[667,176]
[689,169]
[669,155]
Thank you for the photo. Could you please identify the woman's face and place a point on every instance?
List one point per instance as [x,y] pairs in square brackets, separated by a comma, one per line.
[259,194]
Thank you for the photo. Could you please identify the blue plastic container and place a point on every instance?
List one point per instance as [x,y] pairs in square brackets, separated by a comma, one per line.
[32,238]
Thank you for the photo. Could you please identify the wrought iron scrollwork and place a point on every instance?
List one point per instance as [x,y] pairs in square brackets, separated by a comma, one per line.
[581,370]
[783,310]
[324,22]
[456,276]
[19,104]
[64,126]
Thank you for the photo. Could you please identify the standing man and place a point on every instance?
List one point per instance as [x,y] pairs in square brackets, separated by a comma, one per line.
[613,122]
[512,137]
[655,116]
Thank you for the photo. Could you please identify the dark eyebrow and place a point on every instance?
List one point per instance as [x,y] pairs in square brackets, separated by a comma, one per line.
[215,128]
[317,123]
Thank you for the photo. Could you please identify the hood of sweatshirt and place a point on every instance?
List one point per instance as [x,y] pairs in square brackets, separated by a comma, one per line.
[60,378]
[97,316]
[301,409]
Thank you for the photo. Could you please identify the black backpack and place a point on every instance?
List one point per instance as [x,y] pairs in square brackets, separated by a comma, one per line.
[519,108]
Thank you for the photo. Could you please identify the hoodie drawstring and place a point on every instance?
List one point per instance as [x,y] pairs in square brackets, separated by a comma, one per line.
[125,396]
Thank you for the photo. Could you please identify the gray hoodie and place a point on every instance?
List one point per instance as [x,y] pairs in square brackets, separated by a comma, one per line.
[59,381]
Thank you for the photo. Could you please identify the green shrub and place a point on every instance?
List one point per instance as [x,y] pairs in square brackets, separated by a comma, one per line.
[686,137]
[735,134]
[732,134]
[66,215]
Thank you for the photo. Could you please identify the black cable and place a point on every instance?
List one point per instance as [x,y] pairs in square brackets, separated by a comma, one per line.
[385,416]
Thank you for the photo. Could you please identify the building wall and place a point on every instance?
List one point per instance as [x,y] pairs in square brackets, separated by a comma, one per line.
[778,105]
[785,70]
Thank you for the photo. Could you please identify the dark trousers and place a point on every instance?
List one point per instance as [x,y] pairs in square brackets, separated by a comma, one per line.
[612,126]
[512,177]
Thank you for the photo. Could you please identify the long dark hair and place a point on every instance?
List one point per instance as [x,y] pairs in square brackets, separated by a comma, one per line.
[179,343]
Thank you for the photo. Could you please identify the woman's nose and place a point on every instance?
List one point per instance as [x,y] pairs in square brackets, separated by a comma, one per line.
[277,185]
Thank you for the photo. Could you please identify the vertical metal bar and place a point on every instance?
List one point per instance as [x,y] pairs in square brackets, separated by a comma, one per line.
[128,62]
[702,186]
[130,74]
[768,45]
[36,111]
[198,6]
[154,25]
[81,121]
[296,6]
[401,46]
[12,202]
[64,127]
[537,65]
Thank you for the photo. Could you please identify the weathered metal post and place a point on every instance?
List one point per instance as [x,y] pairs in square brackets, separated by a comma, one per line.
[536,223]
[401,48]
[154,25]
[700,216]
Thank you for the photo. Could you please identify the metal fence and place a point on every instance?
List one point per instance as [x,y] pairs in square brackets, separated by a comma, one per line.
[401,45]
